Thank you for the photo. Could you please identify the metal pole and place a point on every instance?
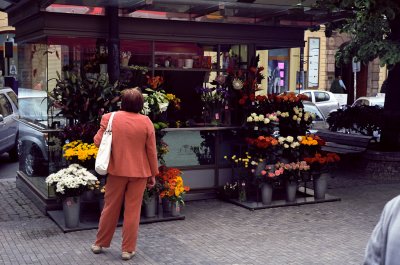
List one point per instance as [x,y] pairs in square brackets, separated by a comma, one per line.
[355,86]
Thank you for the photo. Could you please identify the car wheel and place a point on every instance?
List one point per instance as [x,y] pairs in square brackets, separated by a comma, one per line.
[31,160]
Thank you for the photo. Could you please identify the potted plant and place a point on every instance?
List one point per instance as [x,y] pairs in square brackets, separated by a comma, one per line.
[69,184]
[320,164]
[292,175]
[150,200]
[172,190]
[270,176]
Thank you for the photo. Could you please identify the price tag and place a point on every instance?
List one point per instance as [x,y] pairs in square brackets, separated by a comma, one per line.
[217,116]
[256,128]
[252,103]
[226,107]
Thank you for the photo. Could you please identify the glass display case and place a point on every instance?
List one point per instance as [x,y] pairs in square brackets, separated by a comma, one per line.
[183,66]
[41,122]
[200,153]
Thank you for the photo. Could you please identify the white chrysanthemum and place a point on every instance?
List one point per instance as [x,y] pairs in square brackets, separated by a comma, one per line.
[289,139]
[299,138]
[249,119]
[281,139]
[266,120]
[253,115]
[256,118]
[286,146]
[260,117]
[294,117]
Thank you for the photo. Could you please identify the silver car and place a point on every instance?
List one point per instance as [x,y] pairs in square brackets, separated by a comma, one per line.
[35,132]
[370,101]
[325,100]
[8,122]
[319,122]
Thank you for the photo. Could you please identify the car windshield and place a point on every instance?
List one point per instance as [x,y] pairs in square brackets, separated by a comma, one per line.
[315,110]
[33,106]
[34,109]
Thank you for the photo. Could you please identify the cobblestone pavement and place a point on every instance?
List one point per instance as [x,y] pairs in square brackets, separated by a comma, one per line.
[214,232]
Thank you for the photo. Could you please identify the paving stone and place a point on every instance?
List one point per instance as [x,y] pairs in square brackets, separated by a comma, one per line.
[213,233]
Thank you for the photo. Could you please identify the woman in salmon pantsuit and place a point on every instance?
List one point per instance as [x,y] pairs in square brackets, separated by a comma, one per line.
[133,165]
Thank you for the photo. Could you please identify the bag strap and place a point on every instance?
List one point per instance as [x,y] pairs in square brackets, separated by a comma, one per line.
[109,125]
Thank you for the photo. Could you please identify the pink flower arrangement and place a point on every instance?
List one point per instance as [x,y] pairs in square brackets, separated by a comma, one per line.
[271,173]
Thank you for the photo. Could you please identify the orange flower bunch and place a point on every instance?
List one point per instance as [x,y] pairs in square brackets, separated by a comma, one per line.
[172,184]
[155,82]
[311,139]
[262,141]
[290,97]
[321,159]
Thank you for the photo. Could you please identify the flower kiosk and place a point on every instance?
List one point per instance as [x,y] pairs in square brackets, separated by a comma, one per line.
[200,77]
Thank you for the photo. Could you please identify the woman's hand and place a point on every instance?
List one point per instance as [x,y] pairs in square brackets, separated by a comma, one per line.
[151,181]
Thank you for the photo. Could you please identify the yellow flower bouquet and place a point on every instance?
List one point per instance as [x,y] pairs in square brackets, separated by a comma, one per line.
[81,153]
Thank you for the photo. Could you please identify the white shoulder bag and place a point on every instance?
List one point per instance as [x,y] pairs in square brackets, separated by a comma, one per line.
[104,153]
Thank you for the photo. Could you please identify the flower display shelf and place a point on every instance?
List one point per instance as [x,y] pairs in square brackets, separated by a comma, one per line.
[90,218]
[304,196]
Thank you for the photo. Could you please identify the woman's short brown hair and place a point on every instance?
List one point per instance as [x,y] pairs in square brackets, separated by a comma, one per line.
[132,100]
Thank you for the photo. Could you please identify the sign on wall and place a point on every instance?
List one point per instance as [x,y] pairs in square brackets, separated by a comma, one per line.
[313,62]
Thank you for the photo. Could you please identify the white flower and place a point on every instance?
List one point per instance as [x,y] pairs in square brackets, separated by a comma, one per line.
[256,118]
[266,120]
[281,139]
[294,117]
[286,146]
[260,117]
[253,114]
[296,110]
[278,113]
[249,119]
[299,138]
[72,177]
[289,139]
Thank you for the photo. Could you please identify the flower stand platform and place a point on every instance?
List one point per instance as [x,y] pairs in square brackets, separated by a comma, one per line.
[90,214]
[303,196]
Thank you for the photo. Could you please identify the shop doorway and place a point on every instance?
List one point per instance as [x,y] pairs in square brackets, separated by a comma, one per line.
[346,72]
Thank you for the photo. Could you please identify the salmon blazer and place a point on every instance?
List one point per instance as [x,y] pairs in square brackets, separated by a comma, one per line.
[133,149]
